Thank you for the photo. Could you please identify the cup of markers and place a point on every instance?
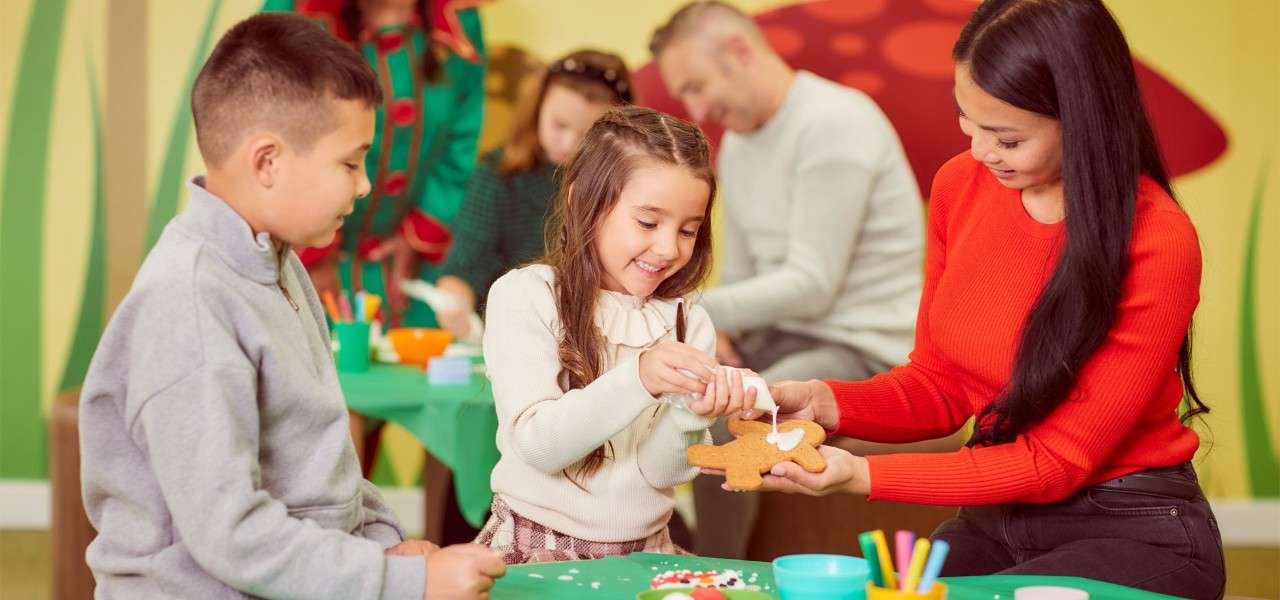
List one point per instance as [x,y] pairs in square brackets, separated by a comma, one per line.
[918,564]
[352,329]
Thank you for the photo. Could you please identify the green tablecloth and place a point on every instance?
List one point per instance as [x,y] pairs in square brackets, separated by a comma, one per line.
[623,577]
[456,423]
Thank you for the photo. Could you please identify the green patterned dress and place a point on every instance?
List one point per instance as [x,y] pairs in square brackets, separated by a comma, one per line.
[423,151]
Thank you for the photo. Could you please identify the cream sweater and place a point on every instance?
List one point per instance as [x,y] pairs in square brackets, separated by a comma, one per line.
[543,430]
[823,228]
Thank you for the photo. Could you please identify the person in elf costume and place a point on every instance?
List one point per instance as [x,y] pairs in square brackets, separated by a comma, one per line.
[430,58]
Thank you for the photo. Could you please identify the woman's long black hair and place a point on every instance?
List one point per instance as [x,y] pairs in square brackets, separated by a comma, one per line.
[1068,59]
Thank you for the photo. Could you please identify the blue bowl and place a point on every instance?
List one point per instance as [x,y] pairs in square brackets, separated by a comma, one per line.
[821,577]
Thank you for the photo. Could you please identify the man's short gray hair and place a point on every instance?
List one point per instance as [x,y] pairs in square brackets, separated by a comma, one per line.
[701,17]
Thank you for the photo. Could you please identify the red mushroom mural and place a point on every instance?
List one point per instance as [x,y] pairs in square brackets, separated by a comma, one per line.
[899,53]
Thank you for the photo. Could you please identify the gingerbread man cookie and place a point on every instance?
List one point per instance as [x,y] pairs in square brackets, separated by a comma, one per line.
[751,454]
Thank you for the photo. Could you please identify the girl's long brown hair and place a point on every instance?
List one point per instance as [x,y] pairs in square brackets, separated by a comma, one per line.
[622,140]
[522,151]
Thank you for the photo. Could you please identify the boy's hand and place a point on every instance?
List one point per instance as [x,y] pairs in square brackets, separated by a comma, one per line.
[462,572]
[661,366]
[412,548]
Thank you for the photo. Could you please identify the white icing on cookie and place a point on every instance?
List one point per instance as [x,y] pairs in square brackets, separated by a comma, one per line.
[787,440]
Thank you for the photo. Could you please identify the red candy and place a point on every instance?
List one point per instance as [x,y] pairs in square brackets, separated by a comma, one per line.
[703,593]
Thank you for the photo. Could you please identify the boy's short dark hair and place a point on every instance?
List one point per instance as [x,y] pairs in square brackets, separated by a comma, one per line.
[275,71]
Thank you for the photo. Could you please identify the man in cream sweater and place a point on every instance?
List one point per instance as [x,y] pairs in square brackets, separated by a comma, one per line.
[823,231]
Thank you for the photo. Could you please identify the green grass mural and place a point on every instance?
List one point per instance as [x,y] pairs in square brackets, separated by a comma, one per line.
[1260,457]
[169,189]
[22,432]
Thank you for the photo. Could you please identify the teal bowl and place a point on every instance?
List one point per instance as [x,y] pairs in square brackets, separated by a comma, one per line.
[821,577]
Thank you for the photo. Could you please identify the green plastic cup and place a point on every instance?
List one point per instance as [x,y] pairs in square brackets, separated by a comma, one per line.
[353,346]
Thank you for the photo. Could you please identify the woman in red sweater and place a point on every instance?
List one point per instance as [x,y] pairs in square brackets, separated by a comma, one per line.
[1061,277]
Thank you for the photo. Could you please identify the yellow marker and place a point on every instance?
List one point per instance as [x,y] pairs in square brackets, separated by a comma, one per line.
[886,563]
[918,558]
[372,302]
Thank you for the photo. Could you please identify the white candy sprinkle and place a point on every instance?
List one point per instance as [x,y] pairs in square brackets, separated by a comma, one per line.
[536,575]
[595,585]
[574,571]
[565,578]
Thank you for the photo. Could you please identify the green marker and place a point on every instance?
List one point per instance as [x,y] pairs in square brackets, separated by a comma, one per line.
[870,554]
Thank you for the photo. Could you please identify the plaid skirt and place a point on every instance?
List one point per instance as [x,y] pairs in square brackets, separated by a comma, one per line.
[520,540]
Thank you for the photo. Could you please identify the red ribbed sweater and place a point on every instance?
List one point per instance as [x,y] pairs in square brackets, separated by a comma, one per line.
[986,263]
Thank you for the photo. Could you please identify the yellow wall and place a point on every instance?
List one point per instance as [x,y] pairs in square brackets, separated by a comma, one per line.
[1225,56]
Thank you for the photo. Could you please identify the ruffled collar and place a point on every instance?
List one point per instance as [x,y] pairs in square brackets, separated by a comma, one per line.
[634,321]
[624,319]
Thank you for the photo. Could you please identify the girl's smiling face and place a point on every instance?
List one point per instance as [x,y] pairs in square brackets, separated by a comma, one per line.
[649,233]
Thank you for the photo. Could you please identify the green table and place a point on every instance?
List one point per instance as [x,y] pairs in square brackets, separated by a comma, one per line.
[621,578]
[455,423]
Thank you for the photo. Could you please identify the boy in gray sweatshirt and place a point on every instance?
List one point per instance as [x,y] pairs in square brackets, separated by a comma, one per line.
[216,461]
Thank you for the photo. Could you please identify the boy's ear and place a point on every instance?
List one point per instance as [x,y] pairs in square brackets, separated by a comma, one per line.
[264,159]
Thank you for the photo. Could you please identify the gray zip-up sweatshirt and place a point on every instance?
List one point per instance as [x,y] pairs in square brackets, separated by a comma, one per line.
[216,460]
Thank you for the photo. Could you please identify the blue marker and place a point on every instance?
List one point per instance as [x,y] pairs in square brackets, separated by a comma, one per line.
[933,566]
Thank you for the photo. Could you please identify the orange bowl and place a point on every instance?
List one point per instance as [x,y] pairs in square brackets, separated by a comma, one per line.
[416,345]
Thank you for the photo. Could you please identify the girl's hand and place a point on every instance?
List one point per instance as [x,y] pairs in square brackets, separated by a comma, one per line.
[844,473]
[661,366]
[810,400]
[724,395]
[456,318]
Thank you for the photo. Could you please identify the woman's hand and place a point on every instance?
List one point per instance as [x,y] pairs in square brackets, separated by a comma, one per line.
[810,400]
[725,395]
[674,367]
[844,473]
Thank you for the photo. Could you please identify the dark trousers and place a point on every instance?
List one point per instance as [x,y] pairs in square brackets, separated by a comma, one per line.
[1153,535]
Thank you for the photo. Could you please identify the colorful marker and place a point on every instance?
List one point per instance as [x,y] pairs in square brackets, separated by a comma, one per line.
[360,299]
[918,558]
[868,544]
[934,566]
[345,305]
[902,543]
[331,307]
[886,563]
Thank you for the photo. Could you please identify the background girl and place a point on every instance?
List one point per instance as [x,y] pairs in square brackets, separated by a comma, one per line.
[503,217]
